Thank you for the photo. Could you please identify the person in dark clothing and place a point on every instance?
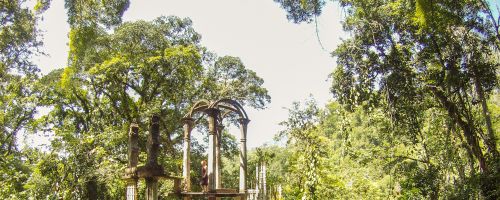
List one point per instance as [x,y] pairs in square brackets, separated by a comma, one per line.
[204,176]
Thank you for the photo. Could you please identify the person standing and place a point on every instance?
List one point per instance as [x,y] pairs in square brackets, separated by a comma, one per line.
[204,176]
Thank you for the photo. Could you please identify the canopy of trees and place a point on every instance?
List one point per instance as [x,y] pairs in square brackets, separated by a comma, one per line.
[421,76]
[415,112]
[117,74]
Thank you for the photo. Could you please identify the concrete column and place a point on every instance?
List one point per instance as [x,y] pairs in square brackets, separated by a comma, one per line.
[243,154]
[212,133]
[133,160]
[151,189]
[257,177]
[133,143]
[257,183]
[264,186]
[132,189]
[279,192]
[186,159]
[218,158]
[153,147]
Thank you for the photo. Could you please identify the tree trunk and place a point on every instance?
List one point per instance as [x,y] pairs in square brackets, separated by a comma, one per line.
[468,131]
[490,139]
[489,185]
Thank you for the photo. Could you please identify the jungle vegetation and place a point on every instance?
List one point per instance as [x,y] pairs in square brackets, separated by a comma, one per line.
[415,109]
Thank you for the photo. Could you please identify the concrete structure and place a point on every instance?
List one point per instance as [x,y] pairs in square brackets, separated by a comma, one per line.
[216,111]
[151,172]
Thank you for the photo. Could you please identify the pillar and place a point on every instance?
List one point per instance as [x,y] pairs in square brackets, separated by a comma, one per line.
[133,160]
[264,186]
[212,133]
[279,192]
[218,158]
[151,188]
[257,182]
[186,159]
[243,154]
[132,189]
[133,143]
[153,147]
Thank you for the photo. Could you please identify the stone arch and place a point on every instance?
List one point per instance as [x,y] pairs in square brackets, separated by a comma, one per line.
[216,111]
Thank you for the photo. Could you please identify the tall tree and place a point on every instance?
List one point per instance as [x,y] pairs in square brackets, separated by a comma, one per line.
[228,78]
[86,19]
[19,40]
[410,56]
[142,68]
[301,130]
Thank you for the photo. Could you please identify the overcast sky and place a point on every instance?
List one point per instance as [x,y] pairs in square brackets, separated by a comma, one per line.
[287,56]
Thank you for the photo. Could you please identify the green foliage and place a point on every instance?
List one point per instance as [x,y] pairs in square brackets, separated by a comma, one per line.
[408,57]
[19,37]
[95,12]
[301,10]
[14,174]
[420,72]
[360,154]
[444,60]
[228,78]
[116,74]
[42,5]
[415,114]
[19,40]
[301,132]
[114,79]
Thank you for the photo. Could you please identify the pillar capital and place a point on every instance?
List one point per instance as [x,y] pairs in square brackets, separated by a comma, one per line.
[212,112]
[134,125]
[134,129]
[188,126]
[155,119]
[243,121]
[212,120]
[188,120]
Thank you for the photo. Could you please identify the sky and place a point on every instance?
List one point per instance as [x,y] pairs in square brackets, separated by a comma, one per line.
[287,56]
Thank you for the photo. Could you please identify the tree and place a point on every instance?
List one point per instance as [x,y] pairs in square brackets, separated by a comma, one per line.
[301,10]
[142,68]
[228,78]
[86,19]
[411,56]
[112,79]
[19,40]
[301,130]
